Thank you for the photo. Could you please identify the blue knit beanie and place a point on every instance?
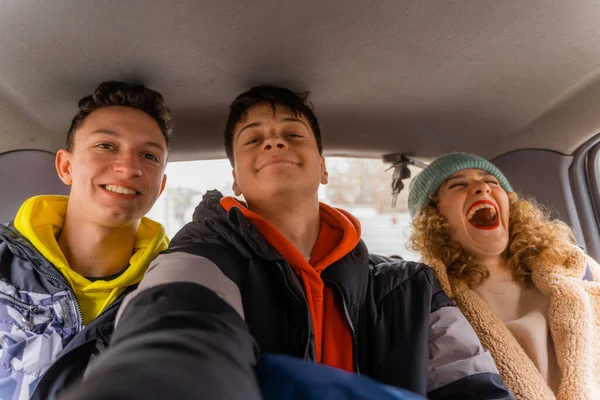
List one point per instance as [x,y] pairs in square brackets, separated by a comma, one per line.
[428,182]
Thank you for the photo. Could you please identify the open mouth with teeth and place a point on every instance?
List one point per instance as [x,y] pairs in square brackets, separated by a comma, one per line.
[483,215]
[119,189]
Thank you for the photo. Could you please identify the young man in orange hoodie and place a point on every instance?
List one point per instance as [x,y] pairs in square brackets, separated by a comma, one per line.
[289,274]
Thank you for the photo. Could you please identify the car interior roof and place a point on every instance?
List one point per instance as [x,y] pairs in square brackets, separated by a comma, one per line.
[418,77]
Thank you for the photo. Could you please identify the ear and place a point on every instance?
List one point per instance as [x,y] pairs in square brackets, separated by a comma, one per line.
[163,184]
[63,164]
[324,173]
[235,186]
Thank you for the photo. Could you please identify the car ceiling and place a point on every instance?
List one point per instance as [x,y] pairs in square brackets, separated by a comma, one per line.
[420,77]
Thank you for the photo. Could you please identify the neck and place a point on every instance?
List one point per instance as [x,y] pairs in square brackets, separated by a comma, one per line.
[94,251]
[497,268]
[298,222]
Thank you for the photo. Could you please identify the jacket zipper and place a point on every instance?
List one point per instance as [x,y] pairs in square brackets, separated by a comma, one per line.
[245,234]
[301,303]
[287,285]
[25,308]
[62,282]
[352,331]
[113,304]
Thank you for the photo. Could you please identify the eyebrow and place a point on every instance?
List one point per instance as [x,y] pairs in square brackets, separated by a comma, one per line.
[451,178]
[257,124]
[118,135]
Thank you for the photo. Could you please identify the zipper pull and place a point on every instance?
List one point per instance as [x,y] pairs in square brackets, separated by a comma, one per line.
[28,316]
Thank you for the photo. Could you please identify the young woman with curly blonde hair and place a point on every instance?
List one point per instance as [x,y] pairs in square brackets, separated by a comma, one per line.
[528,290]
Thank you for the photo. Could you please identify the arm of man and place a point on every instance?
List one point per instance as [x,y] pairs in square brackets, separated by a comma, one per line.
[180,335]
[459,366]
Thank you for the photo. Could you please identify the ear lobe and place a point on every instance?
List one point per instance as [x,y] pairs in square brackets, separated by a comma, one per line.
[324,173]
[163,184]
[234,186]
[63,166]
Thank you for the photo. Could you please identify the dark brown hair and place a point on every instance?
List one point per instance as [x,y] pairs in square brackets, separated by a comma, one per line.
[115,93]
[297,103]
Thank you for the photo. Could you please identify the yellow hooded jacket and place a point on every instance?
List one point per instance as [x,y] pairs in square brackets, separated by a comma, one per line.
[41,218]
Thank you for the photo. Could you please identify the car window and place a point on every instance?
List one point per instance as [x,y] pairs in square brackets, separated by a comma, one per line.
[360,186]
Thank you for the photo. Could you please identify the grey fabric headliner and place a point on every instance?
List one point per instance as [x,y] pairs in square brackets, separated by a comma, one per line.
[421,77]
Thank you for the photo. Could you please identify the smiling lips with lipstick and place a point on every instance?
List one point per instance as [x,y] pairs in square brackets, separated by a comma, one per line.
[483,214]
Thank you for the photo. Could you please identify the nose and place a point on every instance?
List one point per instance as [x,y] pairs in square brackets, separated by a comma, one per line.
[128,164]
[479,188]
[275,142]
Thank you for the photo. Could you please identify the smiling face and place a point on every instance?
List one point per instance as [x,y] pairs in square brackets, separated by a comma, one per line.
[116,167]
[477,210]
[276,155]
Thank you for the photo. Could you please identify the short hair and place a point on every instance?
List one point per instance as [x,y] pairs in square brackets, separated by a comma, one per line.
[297,103]
[116,93]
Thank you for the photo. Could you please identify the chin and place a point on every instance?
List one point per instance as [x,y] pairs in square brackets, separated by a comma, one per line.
[280,188]
[119,219]
[495,248]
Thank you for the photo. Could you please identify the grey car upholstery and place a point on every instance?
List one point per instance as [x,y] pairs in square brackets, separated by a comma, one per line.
[26,173]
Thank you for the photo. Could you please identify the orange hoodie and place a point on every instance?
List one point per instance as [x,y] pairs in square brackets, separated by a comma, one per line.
[338,235]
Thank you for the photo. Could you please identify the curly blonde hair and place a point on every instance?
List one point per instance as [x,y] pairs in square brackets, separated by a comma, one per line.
[533,237]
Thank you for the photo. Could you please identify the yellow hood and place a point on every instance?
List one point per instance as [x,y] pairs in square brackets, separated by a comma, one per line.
[41,218]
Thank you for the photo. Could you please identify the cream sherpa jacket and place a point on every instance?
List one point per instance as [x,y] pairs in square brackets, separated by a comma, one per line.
[574,319]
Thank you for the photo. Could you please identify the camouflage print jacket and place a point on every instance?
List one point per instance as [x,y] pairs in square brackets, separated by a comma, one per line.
[42,341]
